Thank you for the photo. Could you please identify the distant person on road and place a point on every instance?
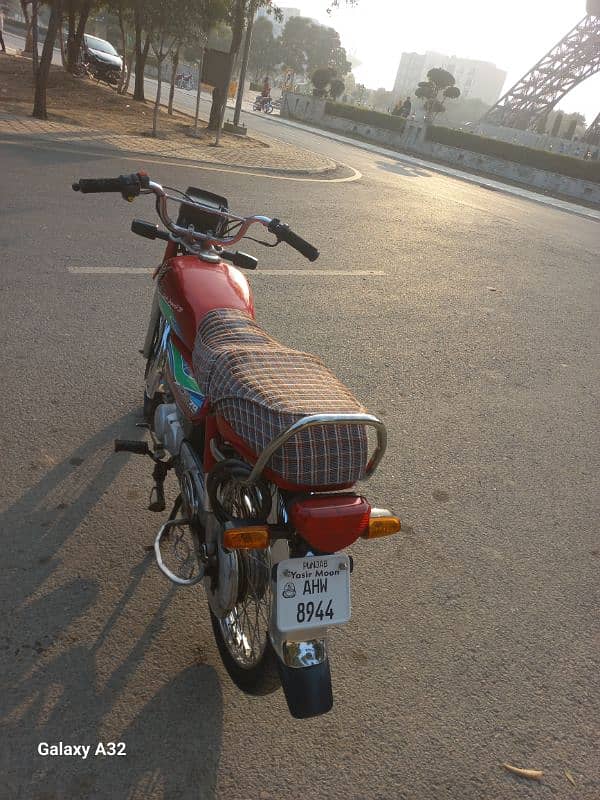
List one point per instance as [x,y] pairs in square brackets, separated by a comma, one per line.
[2,45]
[266,90]
[405,108]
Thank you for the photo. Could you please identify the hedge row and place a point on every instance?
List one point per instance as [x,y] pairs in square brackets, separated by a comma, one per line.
[365,116]
[517,153]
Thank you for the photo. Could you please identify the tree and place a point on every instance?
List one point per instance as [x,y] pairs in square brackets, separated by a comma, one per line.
[307,46]
[175,24]
[323,48]
[265,49]
[293,43]
[123,10]
[320,80]
[452,92]
[165,26]
[336,88]
[439,81]
[77,12]
[43,70]
[141,48]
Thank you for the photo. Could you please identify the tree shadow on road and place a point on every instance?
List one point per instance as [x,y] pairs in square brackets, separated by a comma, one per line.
[51,689]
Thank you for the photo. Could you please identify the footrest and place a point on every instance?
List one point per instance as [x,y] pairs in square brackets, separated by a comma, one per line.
[132,446]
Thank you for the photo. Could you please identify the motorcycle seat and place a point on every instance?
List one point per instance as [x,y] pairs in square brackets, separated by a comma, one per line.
[261,387]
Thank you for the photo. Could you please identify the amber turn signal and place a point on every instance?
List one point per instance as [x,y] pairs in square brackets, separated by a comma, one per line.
[381,523]
[252,537]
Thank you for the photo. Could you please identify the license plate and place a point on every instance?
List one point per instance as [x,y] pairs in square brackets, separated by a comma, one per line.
[313,592]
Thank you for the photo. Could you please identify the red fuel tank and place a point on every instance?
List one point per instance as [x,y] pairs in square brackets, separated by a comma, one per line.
[192,288]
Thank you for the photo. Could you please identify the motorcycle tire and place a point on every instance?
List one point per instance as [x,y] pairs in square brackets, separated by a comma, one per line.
[152,403]
[269,110]
[261,679]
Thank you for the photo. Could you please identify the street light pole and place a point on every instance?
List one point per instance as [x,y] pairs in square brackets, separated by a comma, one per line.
[244,67]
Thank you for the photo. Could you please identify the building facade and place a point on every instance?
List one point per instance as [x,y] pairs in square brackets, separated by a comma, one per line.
[475,79]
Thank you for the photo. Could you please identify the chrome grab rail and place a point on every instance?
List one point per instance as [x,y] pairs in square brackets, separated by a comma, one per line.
[323,419]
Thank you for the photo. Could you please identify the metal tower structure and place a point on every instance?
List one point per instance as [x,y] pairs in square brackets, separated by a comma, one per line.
[592,135]
[571,61]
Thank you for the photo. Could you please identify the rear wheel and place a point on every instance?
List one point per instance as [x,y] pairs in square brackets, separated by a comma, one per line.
[242,634]
[239,581]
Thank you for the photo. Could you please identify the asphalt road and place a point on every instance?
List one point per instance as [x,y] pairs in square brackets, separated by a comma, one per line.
[475,633]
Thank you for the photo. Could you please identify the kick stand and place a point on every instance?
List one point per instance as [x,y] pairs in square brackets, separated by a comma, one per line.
[159,473]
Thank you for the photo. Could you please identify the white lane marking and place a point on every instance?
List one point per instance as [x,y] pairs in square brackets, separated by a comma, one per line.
[149,270]
[123,155]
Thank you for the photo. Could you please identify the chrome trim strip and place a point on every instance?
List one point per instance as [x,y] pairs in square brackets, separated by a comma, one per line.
[324,419]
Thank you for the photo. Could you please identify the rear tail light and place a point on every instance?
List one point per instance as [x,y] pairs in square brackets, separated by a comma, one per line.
[381,523]
[332,522]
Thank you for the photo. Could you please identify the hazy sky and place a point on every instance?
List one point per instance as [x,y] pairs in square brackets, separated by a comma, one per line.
[513,34]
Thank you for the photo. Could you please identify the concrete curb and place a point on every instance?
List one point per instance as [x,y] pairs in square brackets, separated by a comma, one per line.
[110,148]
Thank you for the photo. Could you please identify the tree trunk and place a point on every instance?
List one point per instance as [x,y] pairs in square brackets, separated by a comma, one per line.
[72,55]
[61,42]
[141,53]
[174,65]
[34,37]
[157,101]
[237,31]
[77,42]
[41,81]
[244,67]
[28,32]
[200,64]
[125,88]
[126,67]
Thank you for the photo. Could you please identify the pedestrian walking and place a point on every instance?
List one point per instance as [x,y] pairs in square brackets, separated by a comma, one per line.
[2,45]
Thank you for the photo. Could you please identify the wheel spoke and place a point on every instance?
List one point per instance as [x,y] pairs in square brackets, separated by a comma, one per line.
[246,628]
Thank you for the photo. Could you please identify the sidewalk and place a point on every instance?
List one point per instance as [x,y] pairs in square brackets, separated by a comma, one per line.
[267,155]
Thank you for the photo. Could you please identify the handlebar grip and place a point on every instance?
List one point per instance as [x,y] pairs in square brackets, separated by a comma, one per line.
[89,185]
[285,234]
[128,185]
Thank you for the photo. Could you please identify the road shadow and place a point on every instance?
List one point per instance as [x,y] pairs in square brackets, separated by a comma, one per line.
[50,686]
[402,168]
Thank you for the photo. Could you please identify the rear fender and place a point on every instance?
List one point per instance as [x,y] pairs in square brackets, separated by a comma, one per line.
[303,665]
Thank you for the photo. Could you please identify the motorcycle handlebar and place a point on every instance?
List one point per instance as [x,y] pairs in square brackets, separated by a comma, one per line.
[285,234]
[128,185]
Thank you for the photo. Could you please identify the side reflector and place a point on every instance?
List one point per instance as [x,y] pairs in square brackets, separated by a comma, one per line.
[252,537]
[381,523]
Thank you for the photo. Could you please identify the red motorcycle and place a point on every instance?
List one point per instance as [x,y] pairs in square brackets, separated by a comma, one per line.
[266,445]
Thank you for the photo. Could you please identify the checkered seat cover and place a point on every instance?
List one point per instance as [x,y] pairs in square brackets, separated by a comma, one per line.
[261,388]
